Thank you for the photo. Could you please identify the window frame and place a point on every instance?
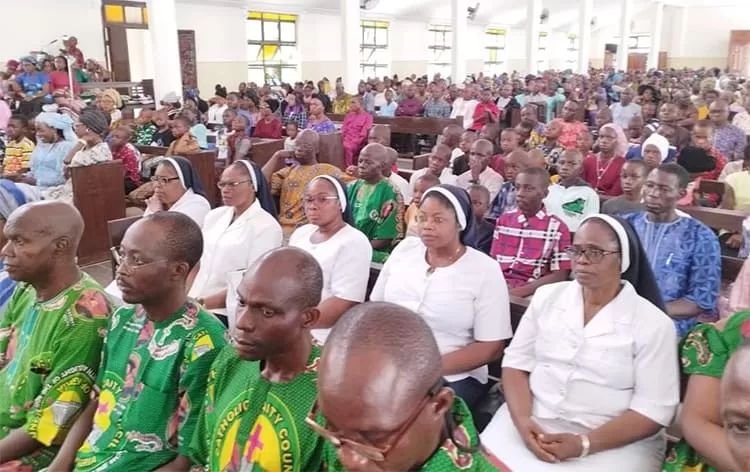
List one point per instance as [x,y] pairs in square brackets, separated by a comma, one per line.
[366,65]
[273,65]
[436,49]
[498,65]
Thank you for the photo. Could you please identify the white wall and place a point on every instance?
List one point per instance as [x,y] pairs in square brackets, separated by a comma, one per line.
[706,35]
[31,24]
[319,42]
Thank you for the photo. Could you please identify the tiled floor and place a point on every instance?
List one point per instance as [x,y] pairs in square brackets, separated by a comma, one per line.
[101,272]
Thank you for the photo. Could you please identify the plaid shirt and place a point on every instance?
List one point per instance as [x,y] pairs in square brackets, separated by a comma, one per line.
[530,248]
[437,109]
[505,200]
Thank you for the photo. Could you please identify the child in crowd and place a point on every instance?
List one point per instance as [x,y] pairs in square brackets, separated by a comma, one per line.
[480,204]
[145,128]
[505,200]
[461,163]
[509,142]
[291,133]
[19,147]
[163,135]
[239,144]
[123,151]
[571,199]
[584,143]
[632,177]
[184,143]
[228,118]
[423,183]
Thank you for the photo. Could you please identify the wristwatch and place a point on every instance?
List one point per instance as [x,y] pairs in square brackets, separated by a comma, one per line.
[585,445]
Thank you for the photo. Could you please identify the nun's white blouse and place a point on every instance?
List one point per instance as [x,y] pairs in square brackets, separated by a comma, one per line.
[190,204]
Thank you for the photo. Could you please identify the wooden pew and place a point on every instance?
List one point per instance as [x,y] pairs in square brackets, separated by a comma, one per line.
[115,232]
[203,162]
[331,150]
[263,149]
[416,163]
[99,194]
[411,124]
[717,218]
[712,186]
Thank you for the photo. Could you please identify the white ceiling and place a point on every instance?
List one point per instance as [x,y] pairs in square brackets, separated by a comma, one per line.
[563,14]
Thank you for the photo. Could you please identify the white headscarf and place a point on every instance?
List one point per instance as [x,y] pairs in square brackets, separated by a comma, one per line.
[661,144]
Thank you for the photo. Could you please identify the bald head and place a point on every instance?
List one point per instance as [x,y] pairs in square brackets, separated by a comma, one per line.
[294,272]
[51,218]
[452,135]
[398,343]
[483,146]
[380,134]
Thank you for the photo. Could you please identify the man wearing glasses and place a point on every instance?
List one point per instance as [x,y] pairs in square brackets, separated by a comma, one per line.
[155,361]
[396,413]
[261,387]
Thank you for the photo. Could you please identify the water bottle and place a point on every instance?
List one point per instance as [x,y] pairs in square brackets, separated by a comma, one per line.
[745,248]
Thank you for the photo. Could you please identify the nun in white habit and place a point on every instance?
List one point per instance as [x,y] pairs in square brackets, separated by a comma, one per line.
[178,188]
[591,375]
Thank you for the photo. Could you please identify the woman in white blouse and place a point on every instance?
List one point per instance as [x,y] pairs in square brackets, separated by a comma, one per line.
[342,251]
[235,235]
[591,376]
[459,291]
[178,188]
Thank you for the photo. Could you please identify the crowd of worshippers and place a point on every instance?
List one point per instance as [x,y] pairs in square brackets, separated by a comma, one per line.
[322,370]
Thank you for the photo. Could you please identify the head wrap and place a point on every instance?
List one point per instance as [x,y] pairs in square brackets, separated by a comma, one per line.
[188,176]
[346,211]
[660,142]
[621,147]
[12,64]
[262,190]
[114,95]
[13,195]
[58,121]
[95,120]
[461,203]
[29,60]
[634,266]
[696,160]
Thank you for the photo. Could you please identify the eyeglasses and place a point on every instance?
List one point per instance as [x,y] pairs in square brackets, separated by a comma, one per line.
[163,180]
[125,261]
[318,199]
[368,451]
[593,255]
[230,185]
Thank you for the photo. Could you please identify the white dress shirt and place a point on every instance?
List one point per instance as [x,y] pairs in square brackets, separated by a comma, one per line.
[462,303]
[582,377]
[464,108]
[402,185]
[488,179]
[345,261]
[216,114]
[230,246]
[621,115]
[190,204]
[446,177]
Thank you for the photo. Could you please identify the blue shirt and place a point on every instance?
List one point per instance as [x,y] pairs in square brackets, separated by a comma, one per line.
[46,163]
[389,109]
[686,259]
[32,84]
[505,200]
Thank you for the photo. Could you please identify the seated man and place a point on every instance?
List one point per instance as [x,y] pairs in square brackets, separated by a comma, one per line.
[684,253]
[380,134]
[377,206]
[261,387]
[480,204]
[460,155]
[509,141]
[155,362]
[479,170]
[50,337]
[289,183]
[452,138]
[416,423]
[424,182]
[437,164]
[571,199]
[529,243]
[505,200]
[632,177]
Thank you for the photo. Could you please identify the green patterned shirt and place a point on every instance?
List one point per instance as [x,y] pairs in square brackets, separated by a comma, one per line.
[49,356]
[249,422]
[152,381]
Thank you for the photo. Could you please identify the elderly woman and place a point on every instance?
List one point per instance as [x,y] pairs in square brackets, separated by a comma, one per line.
[317,120]
[602,171]
[90,149]
[54,140]
[342,251]
[178,188]
[459,291]
[110,103]
[12,196]
[590,378]
[235,235]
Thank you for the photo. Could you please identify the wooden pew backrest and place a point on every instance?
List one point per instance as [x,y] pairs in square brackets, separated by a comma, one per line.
[263,149]
[331,150]
[717,218]
[115,232]
[712,186]
[411,124]
[99,194]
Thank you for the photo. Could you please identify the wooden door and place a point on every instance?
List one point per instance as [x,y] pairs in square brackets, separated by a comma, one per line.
[662,64]
[637,61]
[117,48]
[739,41]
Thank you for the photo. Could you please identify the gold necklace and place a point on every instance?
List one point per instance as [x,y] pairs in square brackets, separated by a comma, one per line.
[431,269]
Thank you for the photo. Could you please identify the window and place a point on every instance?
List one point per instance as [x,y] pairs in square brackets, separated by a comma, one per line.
[272,48]
[494,58]
[571,54]
[373,51]
[128,14]
[439,50]
[542,59]
[638,43]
